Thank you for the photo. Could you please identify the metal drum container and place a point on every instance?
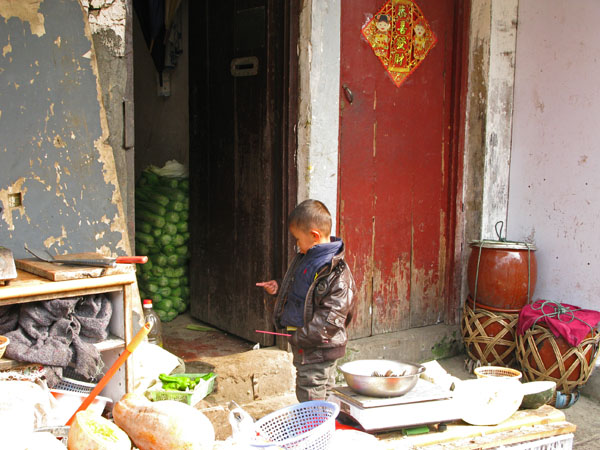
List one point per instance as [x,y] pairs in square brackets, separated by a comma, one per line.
[502,274]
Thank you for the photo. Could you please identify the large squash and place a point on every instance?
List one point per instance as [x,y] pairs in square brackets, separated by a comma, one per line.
[91,431]
[163,425]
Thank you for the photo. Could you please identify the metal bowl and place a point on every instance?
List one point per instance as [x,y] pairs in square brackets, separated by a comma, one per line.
[360,378]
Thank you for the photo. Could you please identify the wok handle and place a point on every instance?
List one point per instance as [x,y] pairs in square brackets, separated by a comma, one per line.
[129,349]
[131,259]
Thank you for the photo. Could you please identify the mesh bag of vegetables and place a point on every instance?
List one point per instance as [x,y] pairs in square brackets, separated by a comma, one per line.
[161,233]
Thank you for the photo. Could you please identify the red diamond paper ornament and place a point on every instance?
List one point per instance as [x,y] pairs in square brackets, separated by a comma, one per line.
[400,36]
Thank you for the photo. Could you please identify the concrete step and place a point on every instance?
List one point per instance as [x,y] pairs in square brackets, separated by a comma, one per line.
[249,376]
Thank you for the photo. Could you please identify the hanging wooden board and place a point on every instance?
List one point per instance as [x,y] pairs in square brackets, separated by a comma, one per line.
[64,272]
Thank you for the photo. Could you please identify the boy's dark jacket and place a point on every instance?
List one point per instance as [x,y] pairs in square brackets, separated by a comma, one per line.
[328,310]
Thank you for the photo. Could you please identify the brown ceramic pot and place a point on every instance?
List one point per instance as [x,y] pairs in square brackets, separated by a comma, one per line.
[502,274]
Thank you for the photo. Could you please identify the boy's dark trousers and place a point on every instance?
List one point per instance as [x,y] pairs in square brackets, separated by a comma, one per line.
[313,381]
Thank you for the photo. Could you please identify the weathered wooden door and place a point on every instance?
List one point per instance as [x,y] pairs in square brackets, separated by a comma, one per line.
[235,161]
[396,160]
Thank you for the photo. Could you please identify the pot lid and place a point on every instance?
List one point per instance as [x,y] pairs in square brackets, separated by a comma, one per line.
[507,245]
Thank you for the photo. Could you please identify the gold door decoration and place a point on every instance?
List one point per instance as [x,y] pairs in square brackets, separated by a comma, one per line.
[400,36]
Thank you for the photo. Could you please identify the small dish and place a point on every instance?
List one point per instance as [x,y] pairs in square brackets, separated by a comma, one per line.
[537,393]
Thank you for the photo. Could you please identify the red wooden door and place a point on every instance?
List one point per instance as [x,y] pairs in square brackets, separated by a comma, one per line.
[396,163]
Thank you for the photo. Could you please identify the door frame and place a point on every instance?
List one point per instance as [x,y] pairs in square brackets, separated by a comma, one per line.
[456,248]
[290,128]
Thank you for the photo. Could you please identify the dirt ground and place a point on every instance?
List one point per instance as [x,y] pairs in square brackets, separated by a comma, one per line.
[262,381]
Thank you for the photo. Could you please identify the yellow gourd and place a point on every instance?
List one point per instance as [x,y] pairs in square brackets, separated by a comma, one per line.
[163,425]
[91,431]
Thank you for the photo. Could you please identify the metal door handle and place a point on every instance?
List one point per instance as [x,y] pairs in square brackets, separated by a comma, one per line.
[348,93]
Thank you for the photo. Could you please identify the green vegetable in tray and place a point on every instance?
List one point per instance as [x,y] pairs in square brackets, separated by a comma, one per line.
[173,382]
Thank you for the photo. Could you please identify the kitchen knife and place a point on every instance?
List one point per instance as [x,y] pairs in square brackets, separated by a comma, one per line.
[89,259]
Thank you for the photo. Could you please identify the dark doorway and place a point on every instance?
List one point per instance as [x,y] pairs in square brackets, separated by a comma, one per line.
[240,80]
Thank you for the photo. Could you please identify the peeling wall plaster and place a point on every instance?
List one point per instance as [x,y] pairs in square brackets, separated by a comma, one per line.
[54,150]
[108,19]
[554,183]
[318,115]
[27,11]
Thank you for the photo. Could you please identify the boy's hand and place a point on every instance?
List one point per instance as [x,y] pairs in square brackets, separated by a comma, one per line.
[271,286]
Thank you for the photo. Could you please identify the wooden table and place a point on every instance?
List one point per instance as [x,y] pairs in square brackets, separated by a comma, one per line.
[119,286]
[524,426]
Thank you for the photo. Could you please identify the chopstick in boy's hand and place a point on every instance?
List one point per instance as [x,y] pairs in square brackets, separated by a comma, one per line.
[272,332]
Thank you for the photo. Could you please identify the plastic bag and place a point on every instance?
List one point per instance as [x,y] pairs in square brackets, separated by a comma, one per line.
[171,169]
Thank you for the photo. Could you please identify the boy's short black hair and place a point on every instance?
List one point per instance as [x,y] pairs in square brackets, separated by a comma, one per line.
[311,214]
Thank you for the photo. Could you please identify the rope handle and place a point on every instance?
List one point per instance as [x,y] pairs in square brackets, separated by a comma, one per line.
[558,312]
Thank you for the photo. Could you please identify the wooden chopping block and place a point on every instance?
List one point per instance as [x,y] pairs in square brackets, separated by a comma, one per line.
[64,272]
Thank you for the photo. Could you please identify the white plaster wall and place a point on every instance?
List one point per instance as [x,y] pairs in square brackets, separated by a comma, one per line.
[554,198]
[319,119]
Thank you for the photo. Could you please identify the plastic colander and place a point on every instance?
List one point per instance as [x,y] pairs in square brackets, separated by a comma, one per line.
[307,425]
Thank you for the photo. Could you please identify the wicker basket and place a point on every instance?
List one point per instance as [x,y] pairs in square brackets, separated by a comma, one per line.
[543,356]
[497,371]
[489,336]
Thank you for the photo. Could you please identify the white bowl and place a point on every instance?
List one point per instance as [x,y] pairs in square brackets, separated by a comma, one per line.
[68,402]
[488,401]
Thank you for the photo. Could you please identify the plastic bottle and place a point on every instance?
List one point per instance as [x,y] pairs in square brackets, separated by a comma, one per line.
[155,334]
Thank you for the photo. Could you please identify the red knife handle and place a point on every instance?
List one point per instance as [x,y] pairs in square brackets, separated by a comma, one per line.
[131,259]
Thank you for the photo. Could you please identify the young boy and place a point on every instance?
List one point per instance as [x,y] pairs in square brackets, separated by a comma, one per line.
[314,300]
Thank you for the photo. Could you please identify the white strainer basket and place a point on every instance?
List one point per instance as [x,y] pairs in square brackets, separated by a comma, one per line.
[307,425]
